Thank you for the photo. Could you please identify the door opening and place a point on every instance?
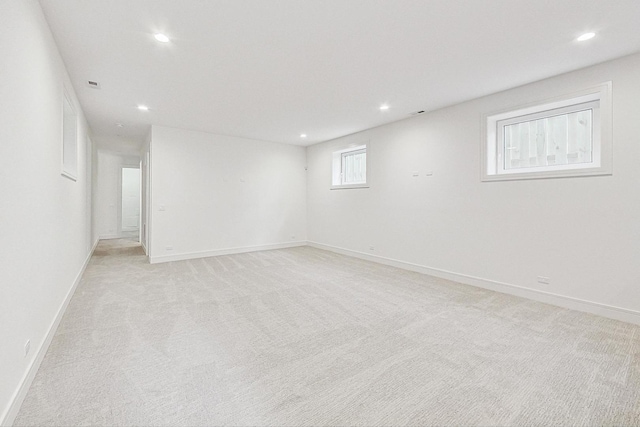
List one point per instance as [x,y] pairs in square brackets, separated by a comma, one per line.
[130,218]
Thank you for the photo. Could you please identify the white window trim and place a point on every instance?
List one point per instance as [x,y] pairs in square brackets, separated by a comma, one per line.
[336,168]
[492,168]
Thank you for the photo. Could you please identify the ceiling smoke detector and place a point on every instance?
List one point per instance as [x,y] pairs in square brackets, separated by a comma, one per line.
[93,84]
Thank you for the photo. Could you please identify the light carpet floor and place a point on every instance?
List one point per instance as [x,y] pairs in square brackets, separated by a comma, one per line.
[307,337]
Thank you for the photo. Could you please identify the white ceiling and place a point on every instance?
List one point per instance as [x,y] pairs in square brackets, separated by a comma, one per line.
[273,69]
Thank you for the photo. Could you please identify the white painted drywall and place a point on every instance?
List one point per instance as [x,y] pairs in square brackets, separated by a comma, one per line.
[145,170]
[45,218]
[108,211]
[212,192]
[582,233]
[95,235]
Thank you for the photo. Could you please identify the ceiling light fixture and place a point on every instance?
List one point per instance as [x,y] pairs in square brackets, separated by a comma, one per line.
[586,36]
[143,108]
[303,135]
[384,107]
[161,38]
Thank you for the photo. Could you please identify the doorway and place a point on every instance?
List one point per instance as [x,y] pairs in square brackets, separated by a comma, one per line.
[130,215]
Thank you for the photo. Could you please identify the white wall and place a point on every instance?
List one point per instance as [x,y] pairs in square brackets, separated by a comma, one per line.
[108,205]
[223,193]
[145,172]
[582,233]
[45,218]
[95,235]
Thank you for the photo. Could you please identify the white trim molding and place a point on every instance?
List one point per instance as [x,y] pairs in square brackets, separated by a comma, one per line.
[9,416]
[227,251]
[611,312]
[113,236]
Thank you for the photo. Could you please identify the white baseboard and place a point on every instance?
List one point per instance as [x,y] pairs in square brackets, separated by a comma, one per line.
[228,251]
[9,416]
[109,236]
[114,236]
[612,312]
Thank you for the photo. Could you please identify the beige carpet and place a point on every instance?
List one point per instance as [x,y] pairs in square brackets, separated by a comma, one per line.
[307,337]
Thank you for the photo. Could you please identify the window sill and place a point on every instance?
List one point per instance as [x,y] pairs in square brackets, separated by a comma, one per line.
[567,173]
[348,187]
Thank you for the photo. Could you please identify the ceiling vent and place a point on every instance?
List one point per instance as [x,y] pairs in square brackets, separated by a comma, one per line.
[415,113]
[93,85]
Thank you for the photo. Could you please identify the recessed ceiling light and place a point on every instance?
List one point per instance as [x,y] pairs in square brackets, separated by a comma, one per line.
[161,38]
[303,135]
[143,108]
[586,36]
[384,107]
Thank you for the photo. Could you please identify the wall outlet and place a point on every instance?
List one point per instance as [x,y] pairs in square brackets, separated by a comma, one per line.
[371,248]
[544,280]
[27,348]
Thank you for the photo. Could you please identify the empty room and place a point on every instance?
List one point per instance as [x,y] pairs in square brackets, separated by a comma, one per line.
[320,212]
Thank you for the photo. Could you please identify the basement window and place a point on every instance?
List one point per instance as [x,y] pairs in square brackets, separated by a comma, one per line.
[69,140]
[349,168]
[570,136]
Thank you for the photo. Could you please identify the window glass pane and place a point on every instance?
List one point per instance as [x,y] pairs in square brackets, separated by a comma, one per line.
[558,140]
[69,141]
[354,167]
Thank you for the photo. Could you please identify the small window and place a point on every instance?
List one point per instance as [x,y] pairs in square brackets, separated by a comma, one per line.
[69,140]
[350,168]
[568,137]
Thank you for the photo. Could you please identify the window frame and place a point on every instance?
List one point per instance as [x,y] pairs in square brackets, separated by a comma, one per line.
[337,167]
[69,152]
[493,133]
